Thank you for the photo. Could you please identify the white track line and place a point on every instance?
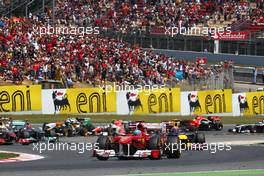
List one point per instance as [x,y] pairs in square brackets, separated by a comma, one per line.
[21,157]
[250,142]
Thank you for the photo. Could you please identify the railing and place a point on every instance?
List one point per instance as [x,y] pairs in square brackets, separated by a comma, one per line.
[218,80]
[15,5]
[249,75]
[253,46]
[240,25]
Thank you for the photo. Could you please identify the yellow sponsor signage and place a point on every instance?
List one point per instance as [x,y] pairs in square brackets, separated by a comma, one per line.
[86,100]
[163,100]
[255,101]
[214,101]
[20,98]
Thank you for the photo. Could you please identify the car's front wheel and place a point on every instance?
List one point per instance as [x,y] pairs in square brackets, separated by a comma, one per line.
[172,147]
[103,144]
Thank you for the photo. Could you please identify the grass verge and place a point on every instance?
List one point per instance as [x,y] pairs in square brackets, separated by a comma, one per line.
[109,118]
[7,155]
[255,172]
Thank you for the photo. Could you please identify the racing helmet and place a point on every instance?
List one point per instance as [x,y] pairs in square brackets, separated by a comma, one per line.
[176,122]
[140,126]
[118,123]
[67,122]
[137,132]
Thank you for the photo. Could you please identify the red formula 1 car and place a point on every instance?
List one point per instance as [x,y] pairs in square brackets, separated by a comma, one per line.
[141,143]
[202,123]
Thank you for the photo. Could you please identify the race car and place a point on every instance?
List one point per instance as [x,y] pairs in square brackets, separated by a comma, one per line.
[57,129]
[7,136]
[186,136]
[82,126]
[249,128]
[70,127]
[203,124]
[171,126]
[27,135]
[140,140]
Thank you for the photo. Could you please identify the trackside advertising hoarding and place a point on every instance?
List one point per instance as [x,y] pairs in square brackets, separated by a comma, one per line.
[20,98]
[162,101]
[237,35]
[248,103]
[78,101]
[158,101]
[206,102]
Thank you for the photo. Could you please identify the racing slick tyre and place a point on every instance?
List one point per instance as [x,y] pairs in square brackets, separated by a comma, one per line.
[193,128]
[259,129]
[219,126]
[44,127]
[169,150]
[199,138]
[23,134]
[103,144]
[90,128]
[84,132]
[154,143]
[67,132]
[52,133]
[9,139]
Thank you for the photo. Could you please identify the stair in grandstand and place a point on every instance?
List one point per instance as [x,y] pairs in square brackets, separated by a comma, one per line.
[16,7]
[36,8]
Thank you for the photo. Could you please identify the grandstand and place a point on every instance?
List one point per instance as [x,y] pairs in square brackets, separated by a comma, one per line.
[117,54]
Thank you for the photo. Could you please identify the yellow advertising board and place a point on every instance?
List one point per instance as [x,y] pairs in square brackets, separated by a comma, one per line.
[255,103]
[166,100]
[79,100]
[213,101]
[20,98]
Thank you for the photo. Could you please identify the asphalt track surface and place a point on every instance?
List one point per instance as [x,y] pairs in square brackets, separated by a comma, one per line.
[63,163]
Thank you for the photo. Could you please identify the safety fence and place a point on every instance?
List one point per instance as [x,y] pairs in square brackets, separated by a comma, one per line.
[157,101]
[143,38]
[223,79]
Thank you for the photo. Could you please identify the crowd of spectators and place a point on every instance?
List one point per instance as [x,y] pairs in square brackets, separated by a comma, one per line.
[90,59]
[93,59]
[127,15]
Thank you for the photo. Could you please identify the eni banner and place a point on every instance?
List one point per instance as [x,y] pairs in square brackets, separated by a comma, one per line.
[206,102]
[78,101]
[249,103]
[20,98]
[156,101]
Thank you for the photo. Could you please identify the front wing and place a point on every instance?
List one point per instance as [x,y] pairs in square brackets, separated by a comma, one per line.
[112,153]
